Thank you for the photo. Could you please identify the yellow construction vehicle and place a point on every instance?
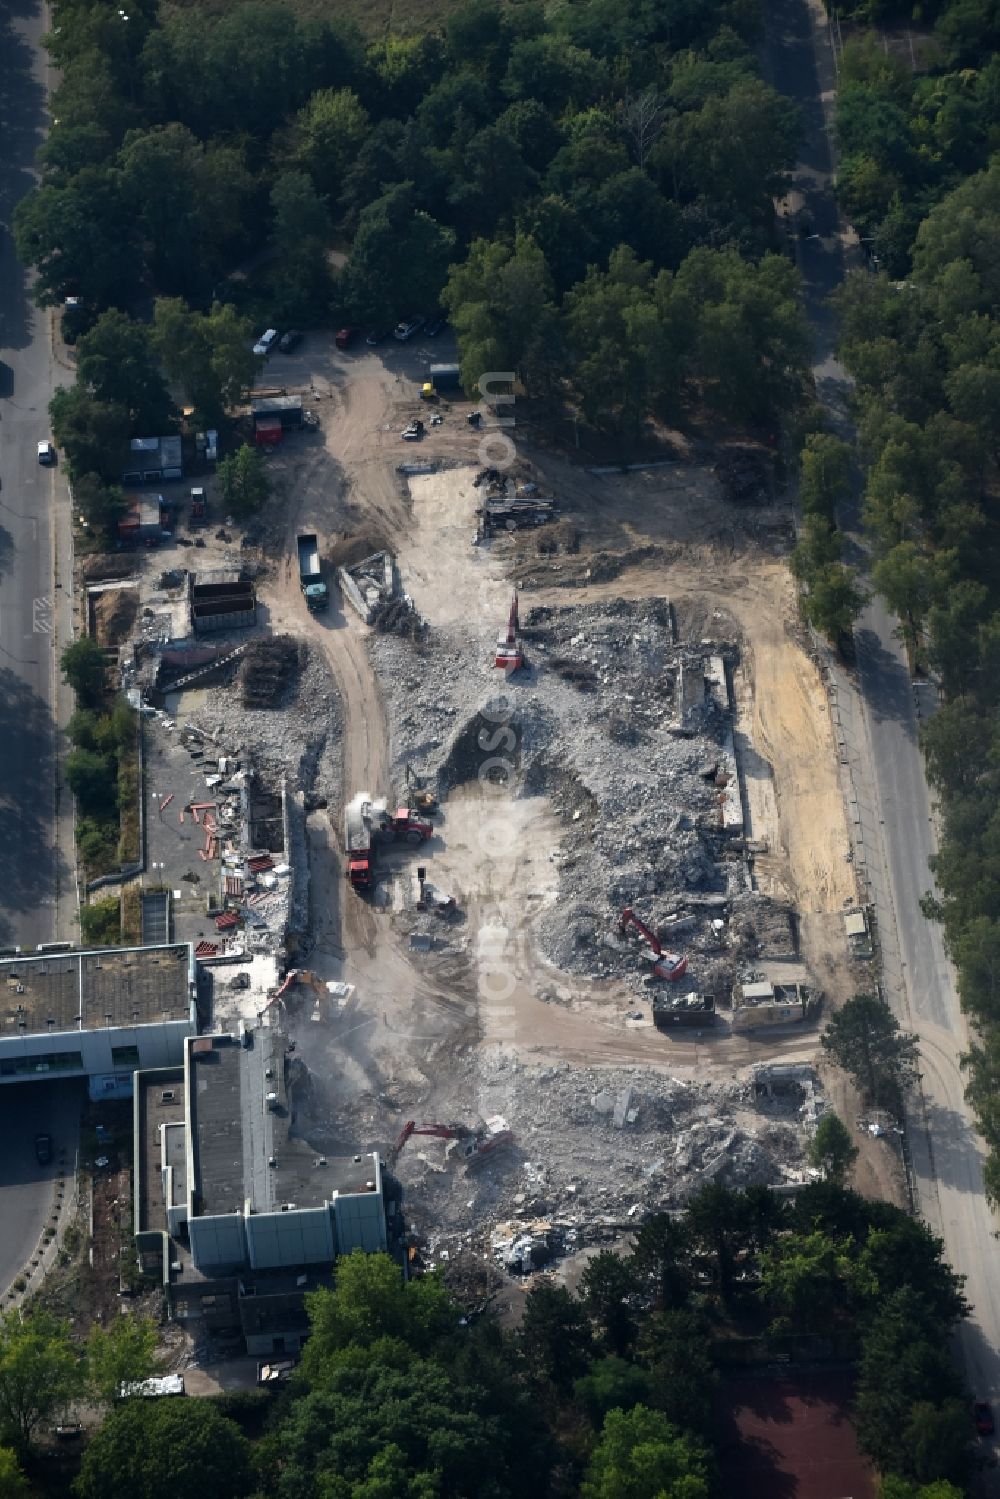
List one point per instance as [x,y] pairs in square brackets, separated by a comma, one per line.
[422,799]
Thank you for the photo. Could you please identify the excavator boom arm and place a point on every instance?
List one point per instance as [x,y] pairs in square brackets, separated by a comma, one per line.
[629,918]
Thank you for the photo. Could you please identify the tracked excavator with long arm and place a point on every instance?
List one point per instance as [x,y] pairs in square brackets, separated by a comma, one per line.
[473,1145]
[666,965]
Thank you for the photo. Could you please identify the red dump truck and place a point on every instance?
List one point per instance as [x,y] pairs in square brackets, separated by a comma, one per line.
[365,821]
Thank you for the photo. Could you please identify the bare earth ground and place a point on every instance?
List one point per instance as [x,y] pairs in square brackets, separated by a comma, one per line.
[485,1027]
[793,1438]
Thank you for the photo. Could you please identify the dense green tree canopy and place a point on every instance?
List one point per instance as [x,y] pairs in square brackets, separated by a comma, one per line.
[165,1449]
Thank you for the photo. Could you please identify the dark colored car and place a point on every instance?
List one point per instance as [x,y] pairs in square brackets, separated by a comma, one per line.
[290,341]
[376,336]
[43,1149]
[434,327]
[345,337]
[406,328]
[983,1413]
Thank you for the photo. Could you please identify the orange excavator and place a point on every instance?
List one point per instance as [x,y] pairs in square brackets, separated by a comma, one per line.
[666,965]
[510,652]
[474,1145]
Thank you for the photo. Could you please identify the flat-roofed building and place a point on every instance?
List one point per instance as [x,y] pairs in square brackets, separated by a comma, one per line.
[100,1013]
[235,1212]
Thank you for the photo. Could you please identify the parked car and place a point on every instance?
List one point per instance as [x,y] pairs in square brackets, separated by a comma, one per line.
[266,342]
[43,1149]
[290,341]
[435,325]
[983,1413]
[345,337]
[376,336]
[406,329]
[46,454]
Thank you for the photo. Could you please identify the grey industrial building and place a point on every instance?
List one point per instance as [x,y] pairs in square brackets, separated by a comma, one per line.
[235,1213]
[100,1014]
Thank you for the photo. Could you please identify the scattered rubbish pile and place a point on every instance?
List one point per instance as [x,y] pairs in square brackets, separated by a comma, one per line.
[510,502]
[302,742]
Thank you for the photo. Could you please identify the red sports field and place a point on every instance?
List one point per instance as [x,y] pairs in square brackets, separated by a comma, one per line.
[791,1438]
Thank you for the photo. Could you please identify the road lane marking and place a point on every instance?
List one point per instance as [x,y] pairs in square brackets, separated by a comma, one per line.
[41,616]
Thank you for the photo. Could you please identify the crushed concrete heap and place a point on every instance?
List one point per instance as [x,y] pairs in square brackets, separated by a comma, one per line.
[301,741]
[595,1151]
[629,734]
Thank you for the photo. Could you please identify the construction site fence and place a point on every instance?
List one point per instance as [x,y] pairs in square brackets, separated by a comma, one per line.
[130,871]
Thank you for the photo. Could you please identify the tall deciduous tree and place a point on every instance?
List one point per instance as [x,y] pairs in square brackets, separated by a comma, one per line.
[399,259]
[912,1411]
[39,1373]
[641,1456]
[208,356]
[608,1287]
[555,1335]
[115,362]
[121,1354]
[834,600]
[502,308]
[370,1302]
[85,669]
[825,478]
[832,1150]
[92,433]
[166,1449]
[243,481]
[864,1037]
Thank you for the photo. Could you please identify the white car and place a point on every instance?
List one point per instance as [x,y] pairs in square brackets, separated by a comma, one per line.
[266,342]
[46,454]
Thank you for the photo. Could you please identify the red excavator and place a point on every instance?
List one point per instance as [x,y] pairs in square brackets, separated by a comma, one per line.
[474,1145]
[666,965]
[510,652]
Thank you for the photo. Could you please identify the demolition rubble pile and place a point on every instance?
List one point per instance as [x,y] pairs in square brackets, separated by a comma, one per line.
[301,740]
[621,728]
[269,670]
[594,1153]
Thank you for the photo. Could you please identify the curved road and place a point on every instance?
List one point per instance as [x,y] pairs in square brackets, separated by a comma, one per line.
[878,717]
[33,822]
[27,1110]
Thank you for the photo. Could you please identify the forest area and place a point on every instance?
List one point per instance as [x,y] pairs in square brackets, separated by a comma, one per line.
[588,195]
[920,180]
[615,1392]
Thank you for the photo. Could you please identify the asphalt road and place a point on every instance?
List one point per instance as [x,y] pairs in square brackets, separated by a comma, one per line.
[877,714]
[26,1188]
[34,872]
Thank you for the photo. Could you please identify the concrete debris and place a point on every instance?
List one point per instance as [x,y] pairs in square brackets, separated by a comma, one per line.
[629,735]
[596,1151]
[302,742]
